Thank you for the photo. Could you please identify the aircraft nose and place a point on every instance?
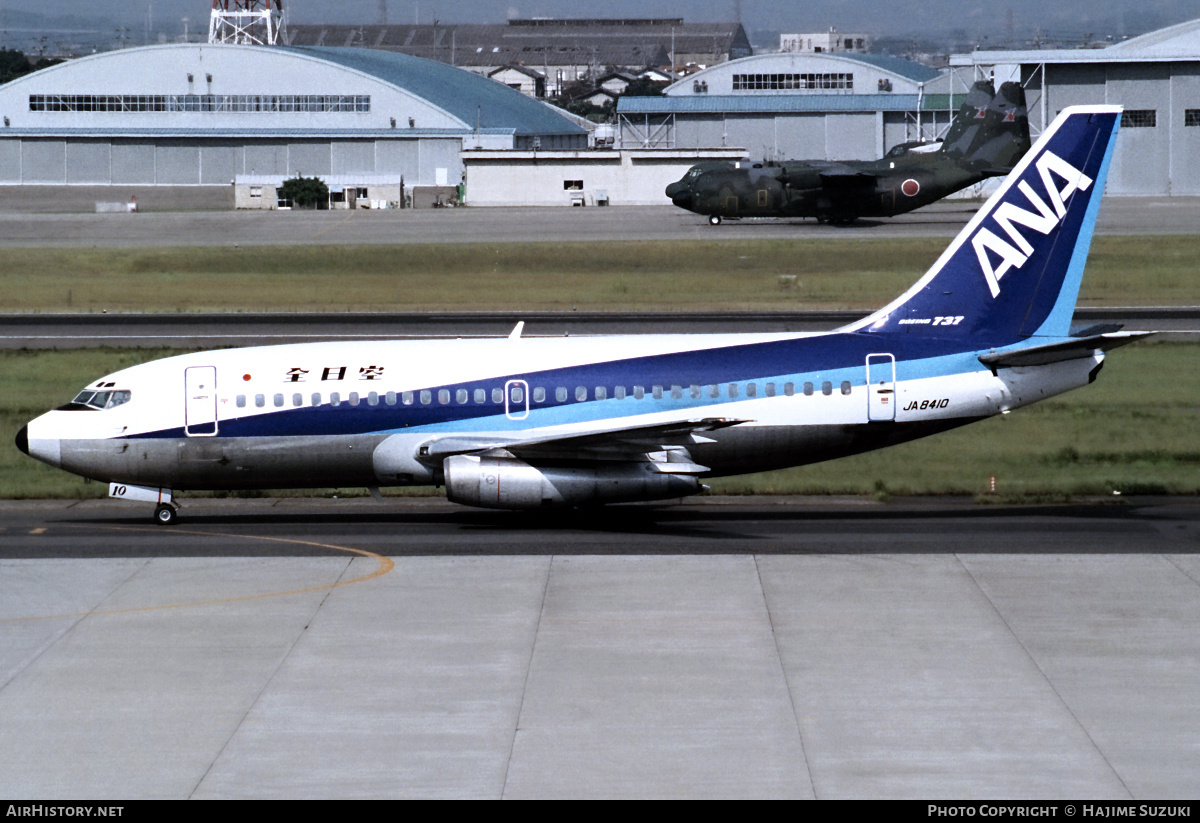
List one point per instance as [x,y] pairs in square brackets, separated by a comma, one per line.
[46,449]
[675,189]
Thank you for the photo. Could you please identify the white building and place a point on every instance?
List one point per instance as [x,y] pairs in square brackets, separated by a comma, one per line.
[1156,77]
[826,42]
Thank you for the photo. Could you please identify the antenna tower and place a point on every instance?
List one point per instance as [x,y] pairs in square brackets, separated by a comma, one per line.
[247,22]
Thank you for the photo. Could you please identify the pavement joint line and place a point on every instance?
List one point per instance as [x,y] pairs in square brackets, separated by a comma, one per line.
[267,683]
[1045,677]
[386,565]
[787,683]
[528,676]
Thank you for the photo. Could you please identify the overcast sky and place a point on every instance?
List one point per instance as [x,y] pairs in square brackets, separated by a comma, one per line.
[876,17]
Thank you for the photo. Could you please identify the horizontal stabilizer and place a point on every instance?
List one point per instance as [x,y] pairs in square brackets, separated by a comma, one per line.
[1057,352]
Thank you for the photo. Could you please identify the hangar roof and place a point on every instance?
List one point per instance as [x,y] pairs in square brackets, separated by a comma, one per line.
[773,103]
[1174,43]
[469,97]
[153,88]
[913,74]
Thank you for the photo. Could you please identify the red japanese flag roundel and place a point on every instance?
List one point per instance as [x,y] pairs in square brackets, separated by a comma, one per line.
[910,187]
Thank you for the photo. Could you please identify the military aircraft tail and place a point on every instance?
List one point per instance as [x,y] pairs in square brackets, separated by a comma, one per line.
[1014,270]
[969,119]
[1004,137]
[990,133]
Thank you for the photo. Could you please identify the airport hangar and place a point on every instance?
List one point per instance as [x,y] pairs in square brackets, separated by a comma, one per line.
[842,106]
[204,116]
[766,107]
[1156,77]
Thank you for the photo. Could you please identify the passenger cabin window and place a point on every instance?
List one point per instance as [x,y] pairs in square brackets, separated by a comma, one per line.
[845,387]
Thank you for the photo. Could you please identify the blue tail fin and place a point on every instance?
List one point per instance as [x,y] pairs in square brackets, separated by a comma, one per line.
[1014,271]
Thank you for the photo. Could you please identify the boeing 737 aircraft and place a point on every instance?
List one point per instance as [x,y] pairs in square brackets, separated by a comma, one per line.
[525,423]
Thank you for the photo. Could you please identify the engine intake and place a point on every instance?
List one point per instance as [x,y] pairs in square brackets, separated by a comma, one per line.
[508,483]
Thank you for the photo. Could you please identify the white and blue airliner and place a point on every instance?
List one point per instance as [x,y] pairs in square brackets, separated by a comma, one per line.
[526,423]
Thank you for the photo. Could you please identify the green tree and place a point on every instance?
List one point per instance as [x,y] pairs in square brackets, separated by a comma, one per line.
[306,192]
[14,64]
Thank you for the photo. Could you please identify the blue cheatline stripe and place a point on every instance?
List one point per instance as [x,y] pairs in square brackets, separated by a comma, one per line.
[834,358]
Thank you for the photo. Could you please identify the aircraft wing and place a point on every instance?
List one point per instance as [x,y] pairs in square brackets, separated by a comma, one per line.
[841,171]
[1063,350]
[670,440]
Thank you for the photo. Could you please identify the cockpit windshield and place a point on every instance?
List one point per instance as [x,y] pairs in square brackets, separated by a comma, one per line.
[100,399]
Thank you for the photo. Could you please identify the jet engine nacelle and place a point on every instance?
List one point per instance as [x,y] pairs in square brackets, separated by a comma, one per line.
[508,483]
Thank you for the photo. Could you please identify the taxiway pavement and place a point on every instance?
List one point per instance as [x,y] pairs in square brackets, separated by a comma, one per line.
[1118,215]
[726,647]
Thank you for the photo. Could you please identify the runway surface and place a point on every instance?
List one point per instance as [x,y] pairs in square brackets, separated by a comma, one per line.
[725,647]
[1118,215]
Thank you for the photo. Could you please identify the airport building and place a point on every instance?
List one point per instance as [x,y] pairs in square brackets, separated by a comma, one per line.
[383,127]
[206,115]
[1156,77]
[562,51]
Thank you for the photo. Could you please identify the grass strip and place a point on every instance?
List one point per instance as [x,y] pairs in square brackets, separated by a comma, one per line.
[677,275]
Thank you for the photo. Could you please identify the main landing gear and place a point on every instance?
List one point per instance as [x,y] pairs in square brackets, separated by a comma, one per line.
[714,219]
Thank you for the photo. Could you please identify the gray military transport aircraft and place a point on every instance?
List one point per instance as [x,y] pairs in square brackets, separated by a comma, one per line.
[987,137]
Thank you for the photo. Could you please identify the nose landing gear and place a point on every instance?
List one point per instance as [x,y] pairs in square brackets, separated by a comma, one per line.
[165,514]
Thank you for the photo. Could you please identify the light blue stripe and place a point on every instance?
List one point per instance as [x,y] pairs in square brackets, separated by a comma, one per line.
[612,409]
[1058,322]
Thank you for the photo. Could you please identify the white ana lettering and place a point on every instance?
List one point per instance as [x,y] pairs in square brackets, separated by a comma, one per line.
[1010,258]
[1008,215]
[1042,222]
[1073,178]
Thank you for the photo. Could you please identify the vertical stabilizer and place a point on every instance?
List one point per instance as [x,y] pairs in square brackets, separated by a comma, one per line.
[1003,139]
[969,120]
[1014,271]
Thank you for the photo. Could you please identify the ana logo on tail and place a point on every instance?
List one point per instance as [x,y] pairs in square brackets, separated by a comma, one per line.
[1046,217]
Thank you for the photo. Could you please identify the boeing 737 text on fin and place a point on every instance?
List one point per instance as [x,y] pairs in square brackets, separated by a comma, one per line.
[526,423]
